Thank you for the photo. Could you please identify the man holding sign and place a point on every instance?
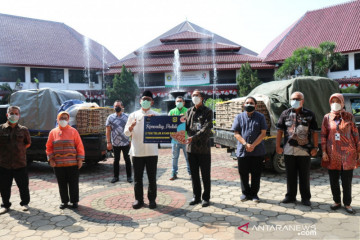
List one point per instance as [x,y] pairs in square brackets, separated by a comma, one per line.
[143,155]
[176,145]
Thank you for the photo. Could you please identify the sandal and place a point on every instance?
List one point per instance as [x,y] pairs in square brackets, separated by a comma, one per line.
[349,209]
[335,206]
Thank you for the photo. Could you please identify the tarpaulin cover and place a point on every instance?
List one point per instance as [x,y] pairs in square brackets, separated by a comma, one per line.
[39,107]
[316,90]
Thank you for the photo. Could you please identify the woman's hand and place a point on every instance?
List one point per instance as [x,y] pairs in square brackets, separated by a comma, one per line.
[325,157]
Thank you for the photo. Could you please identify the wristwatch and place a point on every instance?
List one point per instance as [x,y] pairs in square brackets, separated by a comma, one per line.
[317,148]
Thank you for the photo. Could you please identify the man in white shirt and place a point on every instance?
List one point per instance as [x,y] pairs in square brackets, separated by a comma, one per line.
[143,155]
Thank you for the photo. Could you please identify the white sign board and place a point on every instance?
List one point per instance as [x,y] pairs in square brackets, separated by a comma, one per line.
[188,79]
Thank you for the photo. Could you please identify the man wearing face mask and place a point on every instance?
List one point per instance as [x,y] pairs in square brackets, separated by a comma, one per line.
[298,125]
[198,127]
[14,140]
[143,155]
[176,146]
[65,153]
[117,140]
[250,130]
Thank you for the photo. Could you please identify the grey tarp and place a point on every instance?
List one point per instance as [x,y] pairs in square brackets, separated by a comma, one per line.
[39,106]
[316,90]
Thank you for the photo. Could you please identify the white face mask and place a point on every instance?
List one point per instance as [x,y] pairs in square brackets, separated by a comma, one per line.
[196,100]
[335,107]
[63,123]
[13,118]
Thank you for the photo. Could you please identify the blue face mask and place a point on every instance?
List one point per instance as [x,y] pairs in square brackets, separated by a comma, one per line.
[145,104]
[295,104]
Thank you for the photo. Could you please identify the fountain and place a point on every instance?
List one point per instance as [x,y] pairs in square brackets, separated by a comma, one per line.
[87,63]
[170,102]
[215,96]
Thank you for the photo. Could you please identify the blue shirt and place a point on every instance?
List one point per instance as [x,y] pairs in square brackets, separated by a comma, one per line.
[117,124]
[249,129]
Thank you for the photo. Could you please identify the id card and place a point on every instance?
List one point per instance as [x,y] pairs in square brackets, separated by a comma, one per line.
[337,136]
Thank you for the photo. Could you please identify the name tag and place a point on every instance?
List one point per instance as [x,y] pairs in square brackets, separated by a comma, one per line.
[337,136]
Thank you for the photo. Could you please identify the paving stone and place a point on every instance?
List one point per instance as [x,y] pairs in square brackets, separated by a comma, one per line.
[193,235]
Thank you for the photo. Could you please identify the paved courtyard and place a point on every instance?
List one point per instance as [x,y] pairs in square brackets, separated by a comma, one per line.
[105,210]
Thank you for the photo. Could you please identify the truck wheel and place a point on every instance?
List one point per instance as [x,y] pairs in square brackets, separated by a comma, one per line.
[278,163]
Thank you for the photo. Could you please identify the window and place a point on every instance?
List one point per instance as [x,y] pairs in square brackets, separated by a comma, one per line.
[12,74]
[357,60]
[152,79]
[344,67]
[223,77]
[355,106]
[80,76]
[47,75]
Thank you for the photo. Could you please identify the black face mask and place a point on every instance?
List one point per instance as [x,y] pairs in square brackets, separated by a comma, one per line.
[249,108]
[118,109]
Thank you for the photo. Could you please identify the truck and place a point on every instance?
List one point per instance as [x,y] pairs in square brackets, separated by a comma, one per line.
[39,108]
[273,98]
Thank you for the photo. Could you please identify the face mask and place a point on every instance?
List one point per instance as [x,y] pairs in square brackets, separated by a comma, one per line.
[179,105]
[145,104]
[335,107]
[63,123]
[13,118]
[295,104]
[249,107]
[118,109]
[196,100]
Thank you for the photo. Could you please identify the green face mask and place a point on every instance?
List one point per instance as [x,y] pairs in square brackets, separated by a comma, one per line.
[145,104]
[179,105]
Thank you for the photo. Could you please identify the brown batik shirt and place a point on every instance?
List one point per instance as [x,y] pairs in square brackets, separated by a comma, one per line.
[13,143]
[198,126]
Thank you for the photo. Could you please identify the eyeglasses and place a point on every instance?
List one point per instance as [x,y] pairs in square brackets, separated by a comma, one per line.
[297,99]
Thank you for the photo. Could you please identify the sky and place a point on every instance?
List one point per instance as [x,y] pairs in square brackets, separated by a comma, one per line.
[123,26]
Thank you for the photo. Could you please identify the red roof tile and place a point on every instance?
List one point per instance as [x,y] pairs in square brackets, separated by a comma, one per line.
[33,42]
[186,36]
[339,24]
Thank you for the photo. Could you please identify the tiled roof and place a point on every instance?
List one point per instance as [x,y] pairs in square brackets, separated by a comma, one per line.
[189,47]
[186,35]
[339,24]
[189,59]
[33,42]
[186,68]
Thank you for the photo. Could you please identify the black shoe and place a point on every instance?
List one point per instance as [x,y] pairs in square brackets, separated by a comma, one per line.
[244,198]
[152,205]
[256,199]
[205,203]
[335,206]
[129,180]
[306,202]
[349,210]
[75,205]
[288,200]
[194,201]
[63,206]
[137,204]
[114,180]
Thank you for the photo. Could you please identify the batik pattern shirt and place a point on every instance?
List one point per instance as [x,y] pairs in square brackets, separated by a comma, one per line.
[117,124]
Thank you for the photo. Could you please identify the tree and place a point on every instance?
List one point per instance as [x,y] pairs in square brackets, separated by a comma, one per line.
[123,88]
[310,61]
[210,103]
[6,88]
[247,80]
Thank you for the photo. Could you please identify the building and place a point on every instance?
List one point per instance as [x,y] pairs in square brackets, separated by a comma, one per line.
[37,53]
[206,61]
[339,24]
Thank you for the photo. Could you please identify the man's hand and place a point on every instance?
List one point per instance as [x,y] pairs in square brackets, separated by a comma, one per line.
[52,163]
[109,146]
[132,125]
[279,150]
[325,157]
[249,147]
[80,163]
[189,140]
[313,152]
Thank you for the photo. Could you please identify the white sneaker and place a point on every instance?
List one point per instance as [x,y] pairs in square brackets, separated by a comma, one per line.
[4,210]
[25,208]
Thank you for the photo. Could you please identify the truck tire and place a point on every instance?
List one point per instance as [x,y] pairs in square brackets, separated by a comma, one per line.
[278,163]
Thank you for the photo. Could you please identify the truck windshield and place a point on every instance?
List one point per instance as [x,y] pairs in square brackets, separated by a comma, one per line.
[355,106]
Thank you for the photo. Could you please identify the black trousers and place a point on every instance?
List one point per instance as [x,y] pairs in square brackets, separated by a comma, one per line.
[346,179]
[117,152]
[68,181]
[298,166]
[22,181]
[250,165]
[139,164]
[200,162]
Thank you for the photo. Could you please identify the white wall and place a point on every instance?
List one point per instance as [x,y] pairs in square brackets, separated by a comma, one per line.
[346,74]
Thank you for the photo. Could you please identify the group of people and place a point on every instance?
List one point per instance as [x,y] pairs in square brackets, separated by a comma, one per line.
[125,133]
